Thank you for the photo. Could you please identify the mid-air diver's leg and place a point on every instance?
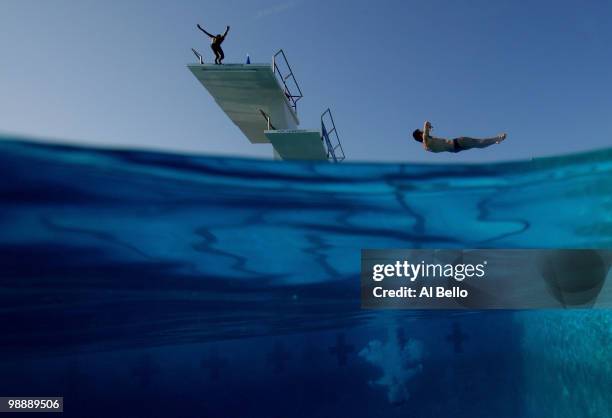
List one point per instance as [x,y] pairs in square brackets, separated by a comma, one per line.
[466,142]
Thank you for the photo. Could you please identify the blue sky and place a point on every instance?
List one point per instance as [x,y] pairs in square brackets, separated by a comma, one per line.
[113,73]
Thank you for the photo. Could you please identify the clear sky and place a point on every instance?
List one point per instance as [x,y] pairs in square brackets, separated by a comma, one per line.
[114,72]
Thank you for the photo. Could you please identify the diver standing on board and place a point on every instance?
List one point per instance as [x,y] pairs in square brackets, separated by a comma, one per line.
[215,44]
[455,145]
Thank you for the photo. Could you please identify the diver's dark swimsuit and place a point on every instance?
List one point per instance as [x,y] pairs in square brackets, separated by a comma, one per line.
[216,47]
[457,146]
[219,55]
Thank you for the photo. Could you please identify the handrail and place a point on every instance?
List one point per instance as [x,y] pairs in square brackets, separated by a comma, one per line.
[334,152]
[268,119]
[198,56]
[293,98]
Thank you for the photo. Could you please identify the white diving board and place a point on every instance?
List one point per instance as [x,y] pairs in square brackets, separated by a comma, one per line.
[243,91]
[301,144]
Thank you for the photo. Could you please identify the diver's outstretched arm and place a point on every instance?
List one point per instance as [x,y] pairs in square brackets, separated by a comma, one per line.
[202,29]
[426,128]
[226,31]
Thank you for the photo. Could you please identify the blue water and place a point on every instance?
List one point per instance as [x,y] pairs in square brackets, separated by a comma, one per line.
[147,284]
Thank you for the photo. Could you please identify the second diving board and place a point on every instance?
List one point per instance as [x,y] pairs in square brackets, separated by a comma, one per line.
[301,144]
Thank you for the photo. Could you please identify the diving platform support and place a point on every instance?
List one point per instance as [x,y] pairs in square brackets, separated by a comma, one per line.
[261,100]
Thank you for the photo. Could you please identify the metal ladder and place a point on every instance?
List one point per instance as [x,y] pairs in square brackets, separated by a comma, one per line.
[335,152]
[295,93]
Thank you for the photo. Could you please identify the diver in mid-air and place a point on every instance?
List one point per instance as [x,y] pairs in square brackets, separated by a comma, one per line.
[433,144]
[215,44]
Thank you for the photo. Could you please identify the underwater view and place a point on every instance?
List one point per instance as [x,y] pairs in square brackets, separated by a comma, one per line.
[148,284]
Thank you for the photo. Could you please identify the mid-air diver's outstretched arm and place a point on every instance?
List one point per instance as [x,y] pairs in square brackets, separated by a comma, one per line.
[226,31]
[426,128]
